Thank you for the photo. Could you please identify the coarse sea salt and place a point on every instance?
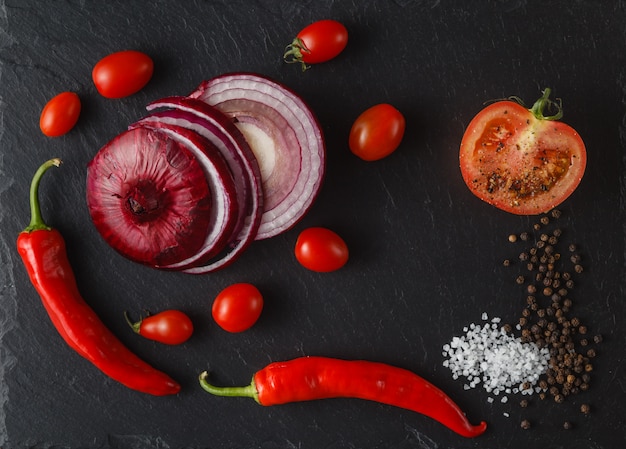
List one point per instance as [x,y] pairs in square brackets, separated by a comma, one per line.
[489,355]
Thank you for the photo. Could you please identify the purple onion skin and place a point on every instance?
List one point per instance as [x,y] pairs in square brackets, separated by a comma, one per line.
[148,198]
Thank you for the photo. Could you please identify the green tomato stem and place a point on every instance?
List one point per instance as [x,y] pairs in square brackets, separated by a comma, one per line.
[248,391]
[542,103]
[135,326]
[293,53]
[36,220]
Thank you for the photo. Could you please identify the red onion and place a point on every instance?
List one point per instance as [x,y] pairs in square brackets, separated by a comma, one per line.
[223,214]
[149,197]
[216,127]
[267,111]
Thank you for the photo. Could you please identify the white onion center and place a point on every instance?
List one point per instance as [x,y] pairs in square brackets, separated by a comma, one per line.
[262,146]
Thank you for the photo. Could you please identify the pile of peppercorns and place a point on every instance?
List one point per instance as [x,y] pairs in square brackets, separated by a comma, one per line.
[547,318]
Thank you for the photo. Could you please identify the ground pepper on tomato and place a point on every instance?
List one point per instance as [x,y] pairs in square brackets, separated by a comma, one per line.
[520,160]
[310,378]
[43,252]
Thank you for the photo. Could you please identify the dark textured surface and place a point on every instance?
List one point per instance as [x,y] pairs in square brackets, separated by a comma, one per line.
[426,255]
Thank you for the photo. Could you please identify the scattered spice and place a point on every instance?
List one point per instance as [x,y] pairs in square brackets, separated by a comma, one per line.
[545,319]
[525,424]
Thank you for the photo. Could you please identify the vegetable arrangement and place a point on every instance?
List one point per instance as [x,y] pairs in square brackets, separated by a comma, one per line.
[192,184]
[309,378]
[42,250]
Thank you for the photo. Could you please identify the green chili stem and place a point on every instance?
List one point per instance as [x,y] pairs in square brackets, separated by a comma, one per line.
[541,103]
[36,220]
[249,391]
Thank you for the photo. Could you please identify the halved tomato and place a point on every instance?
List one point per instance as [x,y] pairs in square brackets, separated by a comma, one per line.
[519,160]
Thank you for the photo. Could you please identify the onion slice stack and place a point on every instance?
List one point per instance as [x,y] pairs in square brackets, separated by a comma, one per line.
[261,154]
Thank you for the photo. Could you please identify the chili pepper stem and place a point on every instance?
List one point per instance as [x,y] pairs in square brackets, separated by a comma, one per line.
[249,391]
[36,220]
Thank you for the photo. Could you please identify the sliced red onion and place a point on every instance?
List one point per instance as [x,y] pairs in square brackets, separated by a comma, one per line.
[149,198]
[220,130]
[268,111]
[223,215]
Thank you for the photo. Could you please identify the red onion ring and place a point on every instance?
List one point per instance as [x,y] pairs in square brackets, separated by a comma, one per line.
[257,100]
[216,127]
[221,185]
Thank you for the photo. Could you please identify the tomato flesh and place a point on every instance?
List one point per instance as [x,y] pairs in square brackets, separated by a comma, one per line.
[60,114]
[322,250]
[238,307]
[518,162]
[122,73]
[377,132]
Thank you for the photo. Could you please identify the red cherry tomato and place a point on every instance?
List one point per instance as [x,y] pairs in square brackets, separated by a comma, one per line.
[318,42]
[321,250]
[238,307]
[377,132]
[60,114]
[171,327]
[519,160]
[122,74]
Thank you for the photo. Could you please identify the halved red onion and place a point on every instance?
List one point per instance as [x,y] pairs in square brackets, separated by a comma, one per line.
[223,216]
[220,130]
[149,198]
[285,137]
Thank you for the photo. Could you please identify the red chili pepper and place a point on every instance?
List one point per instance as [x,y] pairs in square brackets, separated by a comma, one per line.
[309,378]
[43,252]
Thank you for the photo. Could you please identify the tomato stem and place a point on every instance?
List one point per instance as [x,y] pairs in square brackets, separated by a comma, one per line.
[248,391]
[541,103]
[36,220]
[293,53]
[136,326]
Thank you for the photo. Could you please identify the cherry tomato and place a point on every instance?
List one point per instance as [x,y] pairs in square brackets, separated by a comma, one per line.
[60,114]
[122,74]
[237,307]
[171,327]
[519,160]
[377,132]
[318,42]
[321,250]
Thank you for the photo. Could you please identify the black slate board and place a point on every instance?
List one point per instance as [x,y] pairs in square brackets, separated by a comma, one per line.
[425,254]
